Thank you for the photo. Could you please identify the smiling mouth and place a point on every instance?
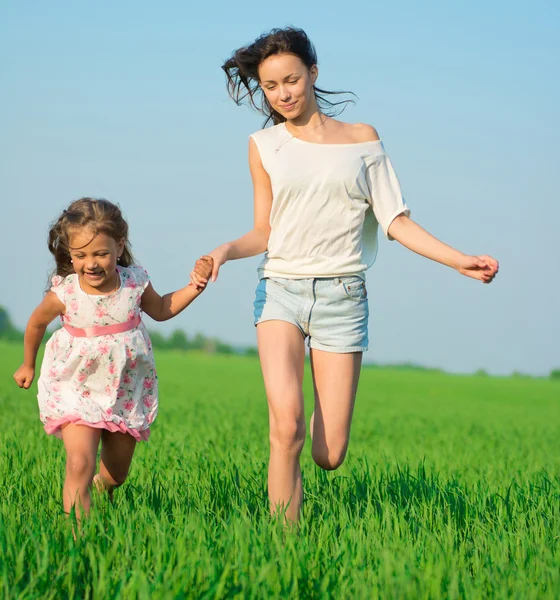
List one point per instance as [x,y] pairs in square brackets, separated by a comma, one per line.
[288,106]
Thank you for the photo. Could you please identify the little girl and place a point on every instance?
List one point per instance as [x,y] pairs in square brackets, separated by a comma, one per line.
[98,380]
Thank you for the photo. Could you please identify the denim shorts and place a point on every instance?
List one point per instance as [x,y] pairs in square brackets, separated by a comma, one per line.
[332,312]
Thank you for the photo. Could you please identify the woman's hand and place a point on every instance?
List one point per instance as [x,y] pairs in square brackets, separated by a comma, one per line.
[208,267]
[484,268]
[415,238]
[202,272]
[24,376]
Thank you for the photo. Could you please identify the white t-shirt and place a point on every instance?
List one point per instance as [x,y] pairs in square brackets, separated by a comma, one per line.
[328,200]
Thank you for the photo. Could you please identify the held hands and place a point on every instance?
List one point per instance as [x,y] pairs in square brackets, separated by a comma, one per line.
[484,268]
[200,276]
[202,271]
[24,376]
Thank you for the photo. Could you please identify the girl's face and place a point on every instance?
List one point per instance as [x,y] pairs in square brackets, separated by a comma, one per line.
[94,258]
[288,84]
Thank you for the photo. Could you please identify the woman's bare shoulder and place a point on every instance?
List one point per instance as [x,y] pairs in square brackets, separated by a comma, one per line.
[365,133]
[357,132]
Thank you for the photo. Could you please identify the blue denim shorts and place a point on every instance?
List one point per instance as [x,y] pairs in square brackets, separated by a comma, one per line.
[332,312]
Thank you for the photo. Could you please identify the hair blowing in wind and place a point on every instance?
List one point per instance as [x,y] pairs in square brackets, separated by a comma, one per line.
[242,71]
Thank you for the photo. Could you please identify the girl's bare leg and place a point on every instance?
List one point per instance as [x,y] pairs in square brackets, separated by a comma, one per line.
[81,443]
[117,450]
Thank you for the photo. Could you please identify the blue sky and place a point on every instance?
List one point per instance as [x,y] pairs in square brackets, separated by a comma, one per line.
[127,101]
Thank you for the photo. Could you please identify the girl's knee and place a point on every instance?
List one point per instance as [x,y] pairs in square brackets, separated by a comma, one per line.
[113,478]
[80,465]
[119,478]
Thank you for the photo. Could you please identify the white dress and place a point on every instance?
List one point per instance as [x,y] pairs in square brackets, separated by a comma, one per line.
[105,381]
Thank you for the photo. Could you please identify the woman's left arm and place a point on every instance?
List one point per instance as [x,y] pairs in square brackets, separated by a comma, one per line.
[417,239]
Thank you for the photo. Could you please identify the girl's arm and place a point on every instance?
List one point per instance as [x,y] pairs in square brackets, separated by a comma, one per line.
[413,237]
[162,308]
[256,241]
[49,309]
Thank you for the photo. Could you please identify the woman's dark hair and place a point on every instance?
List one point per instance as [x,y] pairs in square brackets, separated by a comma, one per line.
[101,216]
[242,71]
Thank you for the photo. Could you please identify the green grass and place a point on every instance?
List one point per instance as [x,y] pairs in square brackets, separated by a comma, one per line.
[451,489]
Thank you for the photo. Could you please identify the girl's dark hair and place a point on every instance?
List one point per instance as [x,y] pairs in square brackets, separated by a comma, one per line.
[243,75]
[101,216]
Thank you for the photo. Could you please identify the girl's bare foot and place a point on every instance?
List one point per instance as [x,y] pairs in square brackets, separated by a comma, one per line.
[102,487]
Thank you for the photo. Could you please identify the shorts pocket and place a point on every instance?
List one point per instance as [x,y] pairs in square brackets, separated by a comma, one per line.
[280,281]
[355,290]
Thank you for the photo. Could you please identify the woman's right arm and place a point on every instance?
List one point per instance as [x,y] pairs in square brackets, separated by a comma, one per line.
[49,309]
[255,241]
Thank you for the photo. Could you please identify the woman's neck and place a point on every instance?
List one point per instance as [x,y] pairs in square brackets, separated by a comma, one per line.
[306,122]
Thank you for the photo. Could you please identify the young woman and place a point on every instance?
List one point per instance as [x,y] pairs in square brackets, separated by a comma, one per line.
[321,189]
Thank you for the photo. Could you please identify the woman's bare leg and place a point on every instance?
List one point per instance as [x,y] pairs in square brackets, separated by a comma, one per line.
[335,380]
[282,352]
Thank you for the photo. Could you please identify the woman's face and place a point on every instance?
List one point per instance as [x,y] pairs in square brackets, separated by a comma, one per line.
[287,84]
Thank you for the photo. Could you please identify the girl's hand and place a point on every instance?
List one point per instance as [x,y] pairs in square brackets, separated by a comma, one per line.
[202,271]
[483,268]
[219,257]
[24,376]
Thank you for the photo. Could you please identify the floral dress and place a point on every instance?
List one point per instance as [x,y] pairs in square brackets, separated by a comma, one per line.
[104,381]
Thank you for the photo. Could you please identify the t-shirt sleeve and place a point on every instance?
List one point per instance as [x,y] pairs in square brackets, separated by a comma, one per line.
[59,288]
[139,276]
[385,195]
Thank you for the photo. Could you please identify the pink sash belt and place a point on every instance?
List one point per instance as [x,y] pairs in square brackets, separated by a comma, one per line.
[103,329]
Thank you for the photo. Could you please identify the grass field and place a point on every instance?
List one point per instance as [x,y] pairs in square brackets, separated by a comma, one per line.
[451,489]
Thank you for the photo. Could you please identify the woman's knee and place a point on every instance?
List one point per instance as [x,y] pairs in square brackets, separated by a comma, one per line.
[329,457]
[288,435]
